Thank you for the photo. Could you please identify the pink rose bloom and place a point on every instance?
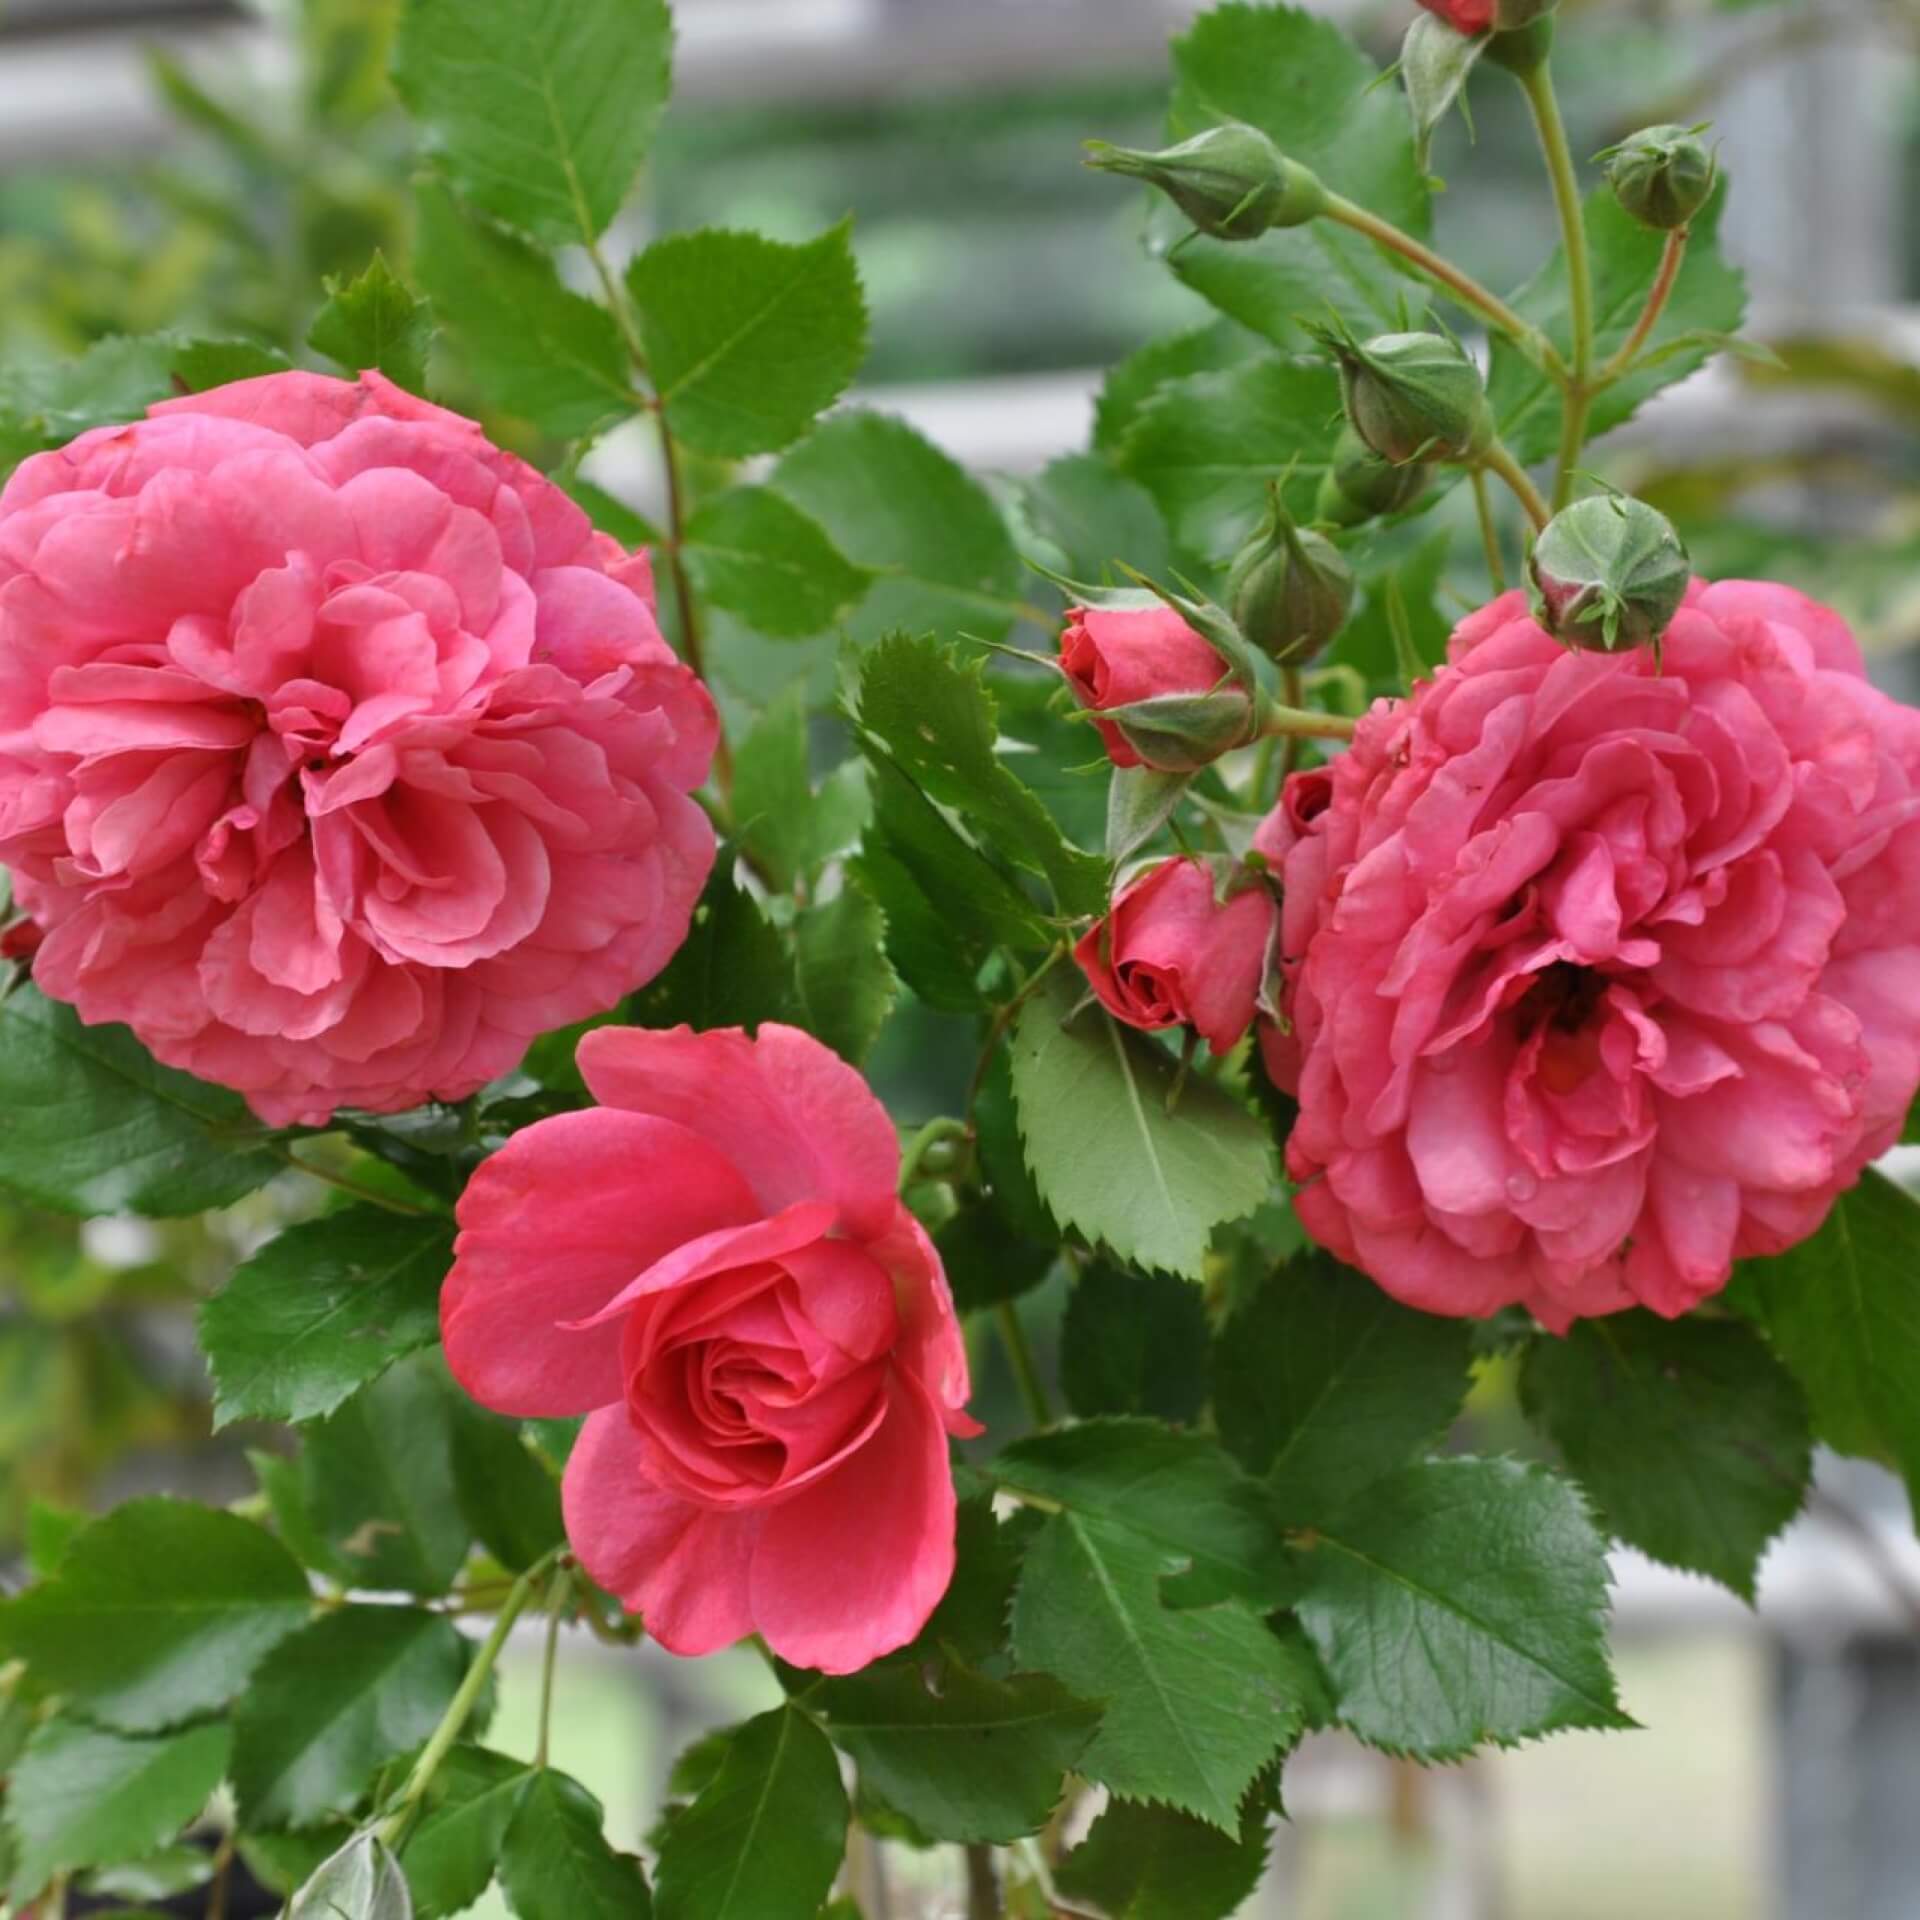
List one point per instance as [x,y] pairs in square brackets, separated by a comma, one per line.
[339,756]
[1170,955]
[1113,657]
[713,1266]
[1602,976]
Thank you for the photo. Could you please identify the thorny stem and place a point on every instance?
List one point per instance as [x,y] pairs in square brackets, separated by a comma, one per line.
[1498,459]
[1489,533]
[1671,255]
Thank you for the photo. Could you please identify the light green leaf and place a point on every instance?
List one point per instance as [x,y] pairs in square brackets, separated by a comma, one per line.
[50,1531]
[555,1863]
[748,338]
[378,321]
[536,348]
[893,502]
[1096,516]
[335,1703]
[91,1123]
[1134,1343]
[451,1855]
[1299,79]
[979,1760]
[1140,801]
[154,1876]
[159,1612]
[1128,386]
[1690,1436]
[1435,60]
[756,554]
[79,1795]
[319,1311]
[846,985]
[362,1881]
[197,364]
[1461,1601]
[1324,1383]
[788,827]
[764,1838]
[1149,1184]
[541,111]
[1150,1863]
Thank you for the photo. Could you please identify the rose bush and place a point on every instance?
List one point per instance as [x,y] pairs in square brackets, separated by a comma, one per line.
[339,756]
[713,1266]
[1600,973]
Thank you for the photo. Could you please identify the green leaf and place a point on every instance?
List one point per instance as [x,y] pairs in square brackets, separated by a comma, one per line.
[1461,1601]
[50,1531]
[1140,801]
[892,502]
[978,1760]
[379,1475]
[1208,349]
[451,1855]
[733,969]
[79,1795]
[335,1703]
[1690,1436]
[362,1881]
[321,1310]
[1323,1382]
[159,1612]
[1300,80]
[198,365]
[764,1838]
[1149,1184]
[748,338]
[1150,1863]
[1407,586]
[756,554]
[1005,1178]
[986,1260]
[970,1623]
[787,827]
[536,348]
[1435,60]
[1842,1312]
[555,1863]
[540,110]
[154,1876]
[507,1497]
[1209,447]
[846,985]
[378,321]
[1134,1343]
[1094,516]
[940,725]
[91,1123]
[1708,294]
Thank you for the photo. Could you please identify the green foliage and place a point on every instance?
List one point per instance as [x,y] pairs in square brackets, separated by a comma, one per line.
[844,986]
[748,338]
[451,1856]
[1212,348]
[323,1309]
[787,827]
[376,321]
[1094,517]
[158,1614]
[540,111]
[1151,1863]
[507,1495]
[362,1881]
[756,554]
[732,971]
[1134,1343]
[556,1864]
[764,1838]
[92,1123]
[1149,1183]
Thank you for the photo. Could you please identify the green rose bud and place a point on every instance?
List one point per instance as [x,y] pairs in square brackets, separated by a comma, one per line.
[1230,181]
[1661,175]
[1183,732]
[1414,396]
[1289,590]
[1607,574]
[1360,485]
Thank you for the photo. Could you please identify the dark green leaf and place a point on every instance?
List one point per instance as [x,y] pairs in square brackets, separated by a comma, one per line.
[1134,1343]
[1003,1162]
[335,1703]
[1094,516]
[732,971]
[756,554]
[1324,1382]
[507,1496]
[970,1623]
[79,1795]
[787,827]
[451,1855]
[748,338]
[283,1482]
[977,1759]
[846,986]
[91,1123]
[159,1612]
[555,1863]
[198,365]
[321,1310]
[378,321]
[986,1260]
[536,348]
[764,1839]
[1149,1184]
[1150,1863]
[540,110]
[1209,349]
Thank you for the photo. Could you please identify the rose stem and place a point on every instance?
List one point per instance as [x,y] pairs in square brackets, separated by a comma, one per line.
[1671,256]
[1498,459]
[1489,534]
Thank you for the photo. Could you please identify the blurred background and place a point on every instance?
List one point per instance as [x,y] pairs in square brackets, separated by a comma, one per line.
[202,164]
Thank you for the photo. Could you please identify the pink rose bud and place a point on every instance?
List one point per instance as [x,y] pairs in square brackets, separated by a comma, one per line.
[713,1266]
[1489,16]
[1600,970]
[21,941]
[1172,954]
[1185,712]
[343,756]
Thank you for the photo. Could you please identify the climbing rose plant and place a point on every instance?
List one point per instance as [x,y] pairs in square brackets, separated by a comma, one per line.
[1309,1002]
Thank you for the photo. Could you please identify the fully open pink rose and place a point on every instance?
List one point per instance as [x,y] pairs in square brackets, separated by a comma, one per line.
[339,755]
[1171,955]
[1117,656]
[714,1268]
[1601,975]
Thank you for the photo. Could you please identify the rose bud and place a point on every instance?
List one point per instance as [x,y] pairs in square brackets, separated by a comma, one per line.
[1171,953]
[21,940]
[1414,396]
[1230,181]
[1608,573]
[1359,485]
[1488,16]
[1289,589]
[1161,696]
[1662,176]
